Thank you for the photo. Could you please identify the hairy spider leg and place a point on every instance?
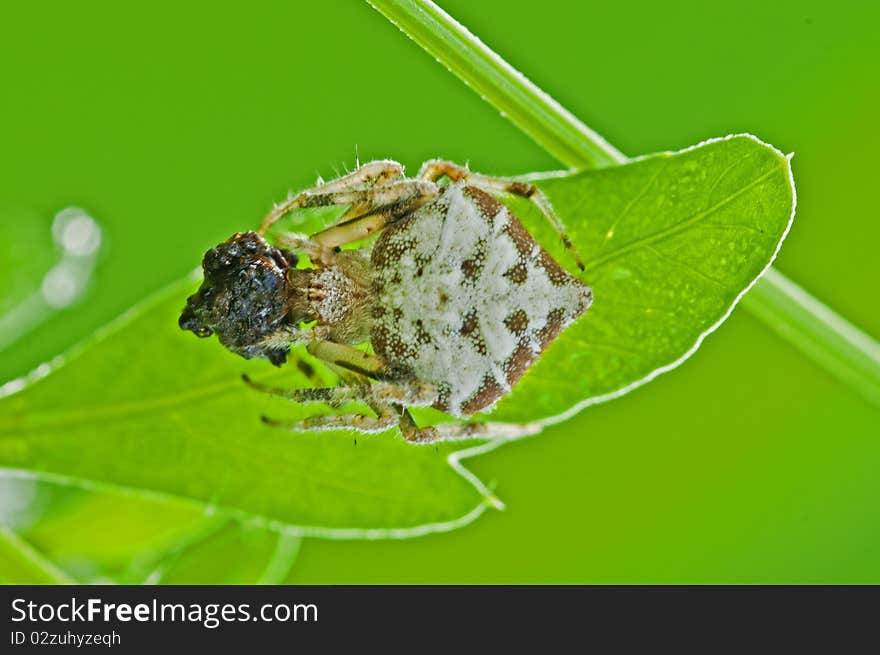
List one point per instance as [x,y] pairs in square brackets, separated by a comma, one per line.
[347,357]
[360,422]
[377,208]
[376,395]
[434,169]
[370,174]
[387,399]
[472,430]
[388,414]
[334,396]
[381,390]
[371,210]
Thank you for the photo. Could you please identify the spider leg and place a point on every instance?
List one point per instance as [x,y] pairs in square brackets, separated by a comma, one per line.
[333,396]
[370,174]
[347,377]
[373,209]
[388,399]
[380,395]
[377,395]
[387,415]
[434,169]
[348,358]
[382,391]
[359,422]
[309,372]
[447,431]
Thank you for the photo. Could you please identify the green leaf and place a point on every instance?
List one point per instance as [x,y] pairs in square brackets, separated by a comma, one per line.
[671,242]
[148,407]
[21,564]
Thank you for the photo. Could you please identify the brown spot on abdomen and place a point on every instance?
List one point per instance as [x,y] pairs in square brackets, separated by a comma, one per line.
[554,325]
[389,346]
[518,322]
[488,206]
[518,363]
[470,329]
[521,238]
[472,267]
[487,394]
[468,325]
[518,273]
[422,336]
[392,244]
[558,276]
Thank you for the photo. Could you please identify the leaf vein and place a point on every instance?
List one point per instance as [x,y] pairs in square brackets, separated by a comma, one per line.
[650,183]
[678,227]
[686,266]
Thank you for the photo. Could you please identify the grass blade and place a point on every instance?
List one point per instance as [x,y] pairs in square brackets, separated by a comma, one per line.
[500,84]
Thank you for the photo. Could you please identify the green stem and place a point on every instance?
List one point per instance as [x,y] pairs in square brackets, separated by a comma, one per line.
[843,350]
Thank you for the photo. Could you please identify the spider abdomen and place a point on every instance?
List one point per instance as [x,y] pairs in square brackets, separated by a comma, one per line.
[466,300]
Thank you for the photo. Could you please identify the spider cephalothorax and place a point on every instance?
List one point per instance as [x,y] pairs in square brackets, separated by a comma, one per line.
[455,297]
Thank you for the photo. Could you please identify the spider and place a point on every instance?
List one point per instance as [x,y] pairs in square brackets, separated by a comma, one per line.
[455,297]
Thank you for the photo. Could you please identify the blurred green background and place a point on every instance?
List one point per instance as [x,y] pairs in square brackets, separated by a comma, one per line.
[177,123]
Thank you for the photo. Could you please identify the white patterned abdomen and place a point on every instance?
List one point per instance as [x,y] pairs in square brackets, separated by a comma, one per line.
[466,300]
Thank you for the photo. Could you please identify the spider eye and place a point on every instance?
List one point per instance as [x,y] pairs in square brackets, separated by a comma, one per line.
[203,332]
